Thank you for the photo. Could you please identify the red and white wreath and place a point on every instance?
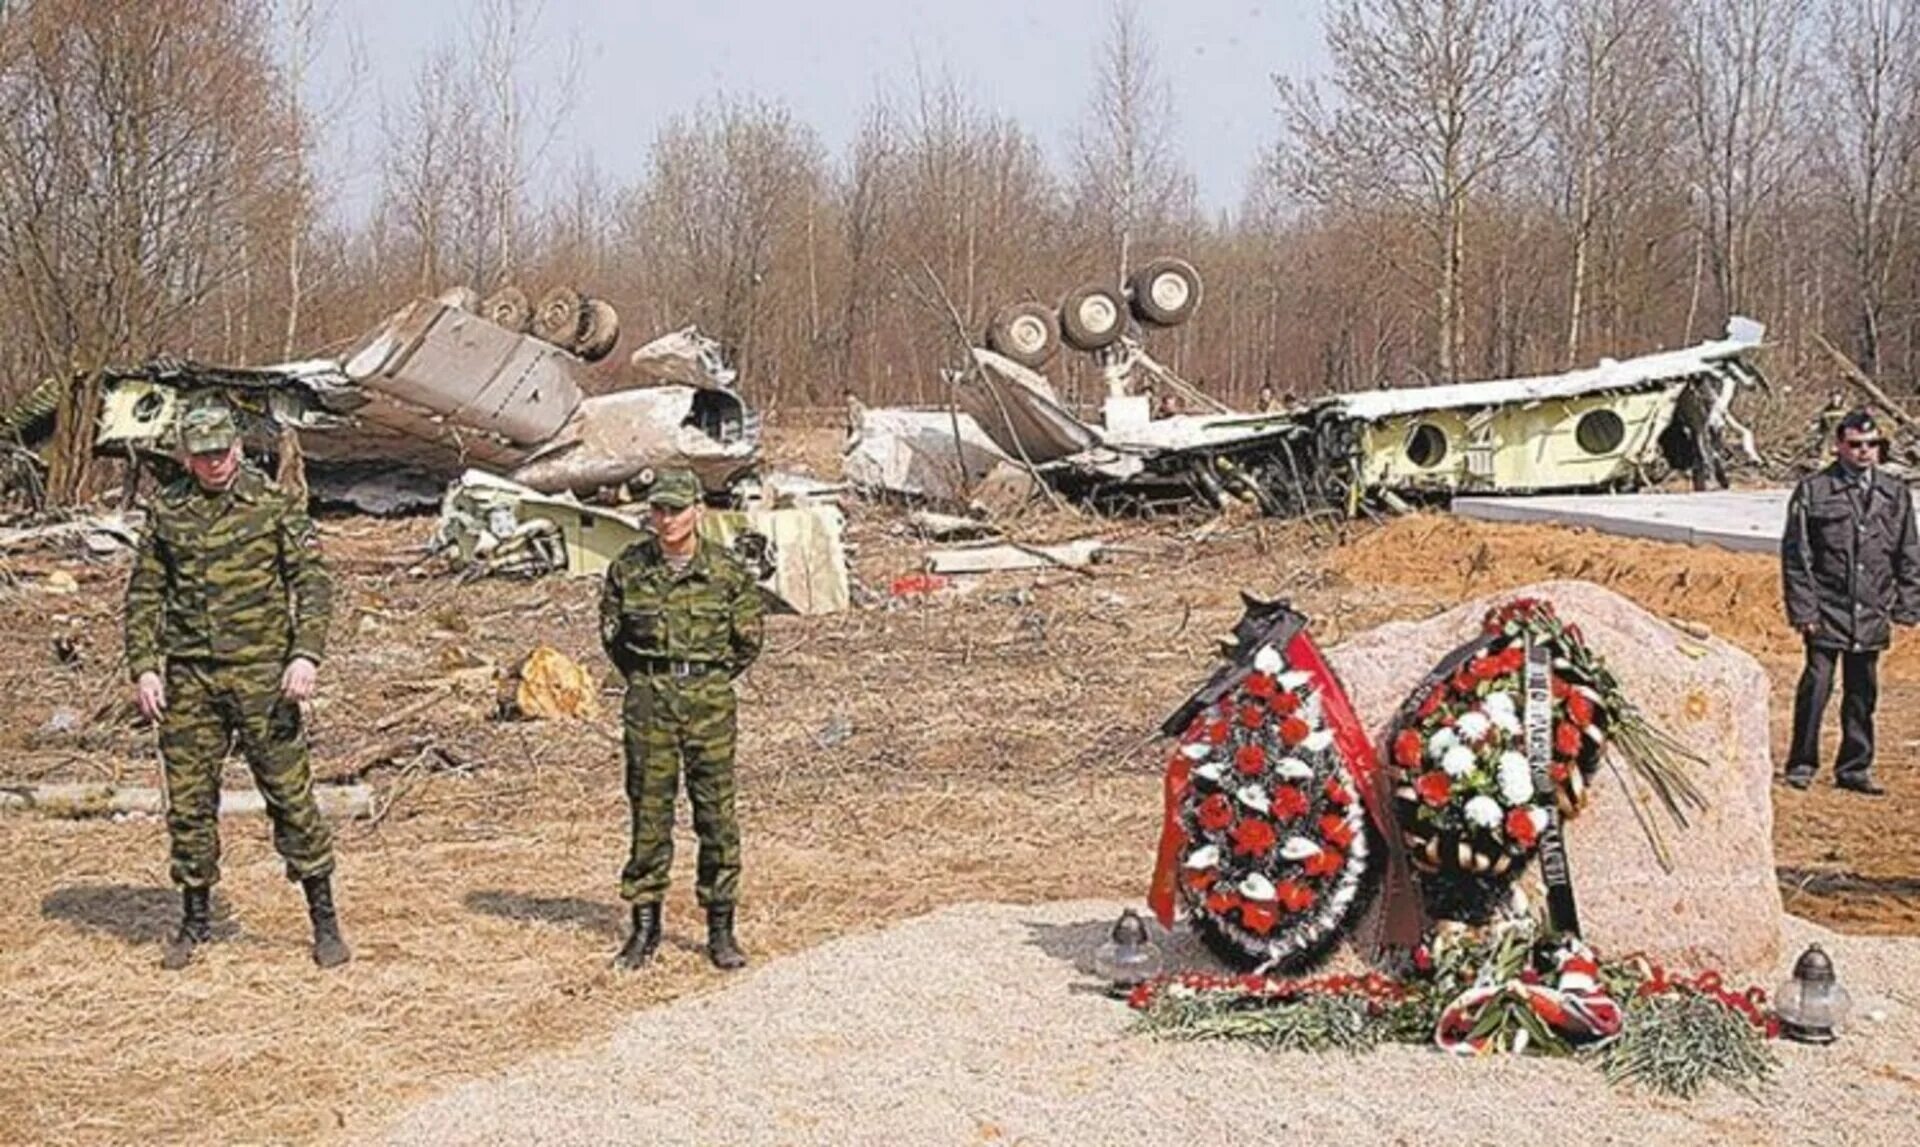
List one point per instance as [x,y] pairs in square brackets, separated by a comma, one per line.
[1274,851]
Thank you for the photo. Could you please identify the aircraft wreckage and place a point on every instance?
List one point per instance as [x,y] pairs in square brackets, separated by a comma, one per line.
[1620,425]
[440,388]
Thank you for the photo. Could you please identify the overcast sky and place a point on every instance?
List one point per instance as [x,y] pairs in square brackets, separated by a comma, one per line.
[641,62]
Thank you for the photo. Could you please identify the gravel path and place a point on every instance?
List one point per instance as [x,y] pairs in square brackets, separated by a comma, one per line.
[972,1025]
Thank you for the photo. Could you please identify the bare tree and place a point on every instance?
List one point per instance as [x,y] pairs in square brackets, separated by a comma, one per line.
[1741,64]
[1434,97]
[1868,146]
[1127,173]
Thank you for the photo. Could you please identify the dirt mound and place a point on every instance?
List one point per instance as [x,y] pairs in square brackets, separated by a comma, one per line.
[1736,596]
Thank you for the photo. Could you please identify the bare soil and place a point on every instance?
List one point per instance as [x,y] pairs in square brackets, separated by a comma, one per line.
[989,743]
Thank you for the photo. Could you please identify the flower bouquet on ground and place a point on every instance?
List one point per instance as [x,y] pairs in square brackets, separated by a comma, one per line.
[1513,988]
[1267,842]
[1473,797]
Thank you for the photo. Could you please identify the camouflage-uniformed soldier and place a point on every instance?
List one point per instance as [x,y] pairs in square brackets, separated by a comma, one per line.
[680,618]
[227,612]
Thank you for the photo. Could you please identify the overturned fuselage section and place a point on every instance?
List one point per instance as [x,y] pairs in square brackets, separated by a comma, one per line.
[438,389]
[1620,425]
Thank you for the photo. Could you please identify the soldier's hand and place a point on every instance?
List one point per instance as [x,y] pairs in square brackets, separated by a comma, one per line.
[150,694]
[296,684]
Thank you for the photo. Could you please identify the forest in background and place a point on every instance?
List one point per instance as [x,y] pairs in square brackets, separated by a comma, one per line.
[1474,188]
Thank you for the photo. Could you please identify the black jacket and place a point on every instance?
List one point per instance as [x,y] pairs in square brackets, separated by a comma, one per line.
[1850,559]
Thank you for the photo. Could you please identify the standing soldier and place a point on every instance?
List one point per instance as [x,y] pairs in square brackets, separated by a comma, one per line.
[680,618]
[227,613]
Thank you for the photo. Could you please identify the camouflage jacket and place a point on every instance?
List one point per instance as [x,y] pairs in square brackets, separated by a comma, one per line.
[231,577]
[709,613]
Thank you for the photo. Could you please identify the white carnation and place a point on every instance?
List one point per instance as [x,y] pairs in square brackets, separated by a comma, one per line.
[1294,769]
[1267,660]
[1516,779]
[1483,811]
[1458,761]
[1507,723]
[1440,742]
[1318,741]
[1498,703]
[1295,680]
[1473,726]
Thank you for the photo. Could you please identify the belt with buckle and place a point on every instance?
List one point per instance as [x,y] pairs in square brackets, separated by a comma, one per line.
[661,666]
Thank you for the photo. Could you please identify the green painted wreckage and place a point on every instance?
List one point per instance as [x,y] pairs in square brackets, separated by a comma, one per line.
[1621,425]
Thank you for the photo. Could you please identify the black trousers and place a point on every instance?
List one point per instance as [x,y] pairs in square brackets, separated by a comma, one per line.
[1859,691]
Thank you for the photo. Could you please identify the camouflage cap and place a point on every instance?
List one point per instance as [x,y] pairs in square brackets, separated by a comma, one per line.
[207,427]
[674,490]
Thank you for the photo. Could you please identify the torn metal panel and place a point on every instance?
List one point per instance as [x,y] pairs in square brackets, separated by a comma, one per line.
[1019,410]
[613,438]
[913,453]
[458,366]
[494,525]
[1005,556]
[686,357]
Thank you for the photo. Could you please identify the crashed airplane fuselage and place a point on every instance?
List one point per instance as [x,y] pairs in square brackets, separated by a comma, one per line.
[438,389]
[1619,425]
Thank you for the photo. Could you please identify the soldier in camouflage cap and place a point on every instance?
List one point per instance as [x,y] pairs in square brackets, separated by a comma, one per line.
[680,618]
[227,611]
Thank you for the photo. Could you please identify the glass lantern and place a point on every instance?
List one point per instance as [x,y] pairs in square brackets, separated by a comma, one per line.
[1129,957]
[1813,1006]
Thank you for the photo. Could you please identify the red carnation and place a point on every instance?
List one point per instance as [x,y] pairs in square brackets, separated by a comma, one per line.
[1293,730]
[1218,732]
[1252,716]
[1326,862]
[1560,687]
[1463,681]
[1258,917]
[1283,703]
[1566,740]
[1485,668]
[1222,902]
[1337,793]
[1214,813]
[1293,897]
[1201,879]
[1520,828]
[1288,802]
[1336,831]
[1261,685]
[1434,788]
[1429,706]
[1513,660]
[1406,750]
[1253,837]
[1558,771]
[1250,759]
[1579,708]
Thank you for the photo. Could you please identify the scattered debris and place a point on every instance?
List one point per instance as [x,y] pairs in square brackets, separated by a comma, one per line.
[549,685]
[102,536]
[1005,556]
[90,800]
[948,527]
[490,525]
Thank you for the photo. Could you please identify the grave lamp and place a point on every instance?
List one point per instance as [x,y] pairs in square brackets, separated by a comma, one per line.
[1813,1005]
[1129,957]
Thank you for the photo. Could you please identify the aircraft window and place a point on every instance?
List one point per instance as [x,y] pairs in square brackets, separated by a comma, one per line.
[1600,431]
[1427,446]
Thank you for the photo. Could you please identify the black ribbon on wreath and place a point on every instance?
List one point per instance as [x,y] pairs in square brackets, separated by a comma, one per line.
[1537,720]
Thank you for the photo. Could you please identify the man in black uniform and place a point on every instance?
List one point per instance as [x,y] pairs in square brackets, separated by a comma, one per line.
[1850,568]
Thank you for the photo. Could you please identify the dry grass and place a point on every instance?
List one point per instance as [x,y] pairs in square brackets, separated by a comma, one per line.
[976,746]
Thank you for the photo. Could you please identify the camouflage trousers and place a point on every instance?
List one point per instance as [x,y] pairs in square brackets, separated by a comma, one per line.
[670,722]
[209,708]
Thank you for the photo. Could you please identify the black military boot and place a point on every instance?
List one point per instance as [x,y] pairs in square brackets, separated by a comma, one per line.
[721,948]
[644,940]
[329,950]
[196,927]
